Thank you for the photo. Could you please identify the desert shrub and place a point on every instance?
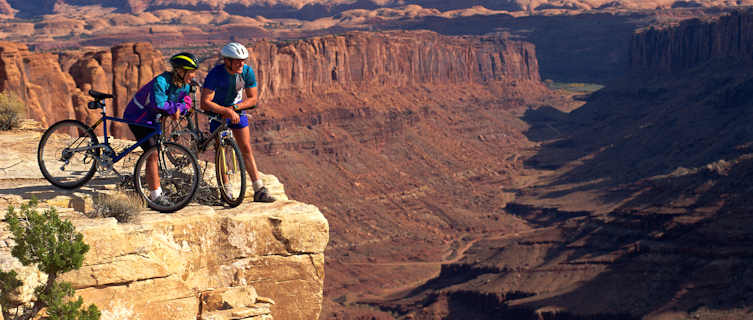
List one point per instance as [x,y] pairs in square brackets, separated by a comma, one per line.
[124,206]
[12,110]
[54,247]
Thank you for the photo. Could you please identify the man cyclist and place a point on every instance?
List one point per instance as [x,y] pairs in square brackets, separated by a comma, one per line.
[222,93]
[166,93]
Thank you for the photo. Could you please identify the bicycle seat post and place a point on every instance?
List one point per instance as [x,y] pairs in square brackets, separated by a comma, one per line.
[99,98]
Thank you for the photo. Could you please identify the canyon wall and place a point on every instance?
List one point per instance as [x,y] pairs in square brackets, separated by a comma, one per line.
[54,86]
[692,43]
[394,59]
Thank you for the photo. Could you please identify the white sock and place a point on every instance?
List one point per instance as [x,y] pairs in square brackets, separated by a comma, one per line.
[258,185]
[154,194]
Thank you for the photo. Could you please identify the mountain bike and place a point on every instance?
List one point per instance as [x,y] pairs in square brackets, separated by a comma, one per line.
[230,170]
[69,153]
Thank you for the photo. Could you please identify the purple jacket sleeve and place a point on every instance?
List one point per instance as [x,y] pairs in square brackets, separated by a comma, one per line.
[173,107]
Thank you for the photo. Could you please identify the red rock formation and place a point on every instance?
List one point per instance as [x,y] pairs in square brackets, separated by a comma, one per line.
[693,43]
[38,80]
[391,59]
[54,94]
[361,60]
[351,62]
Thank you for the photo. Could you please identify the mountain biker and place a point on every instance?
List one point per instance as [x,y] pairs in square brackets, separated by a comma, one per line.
[166,93]
[222,93]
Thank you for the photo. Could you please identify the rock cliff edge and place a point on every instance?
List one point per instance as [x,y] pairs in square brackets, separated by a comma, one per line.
[256,261]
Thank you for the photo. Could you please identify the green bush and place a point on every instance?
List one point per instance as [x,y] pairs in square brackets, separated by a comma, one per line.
[12,110]
[54,246]
[124,207]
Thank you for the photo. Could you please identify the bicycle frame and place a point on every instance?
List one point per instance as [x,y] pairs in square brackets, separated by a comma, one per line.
[157,131]
[205,138]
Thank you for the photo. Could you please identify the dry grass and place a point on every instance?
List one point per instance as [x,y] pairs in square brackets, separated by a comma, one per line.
[12,110]
[124,207]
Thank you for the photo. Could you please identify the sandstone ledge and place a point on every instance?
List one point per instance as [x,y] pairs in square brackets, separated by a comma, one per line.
[159,266]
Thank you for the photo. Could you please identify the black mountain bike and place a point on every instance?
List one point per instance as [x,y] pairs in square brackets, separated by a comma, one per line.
[69,153]
[230,170]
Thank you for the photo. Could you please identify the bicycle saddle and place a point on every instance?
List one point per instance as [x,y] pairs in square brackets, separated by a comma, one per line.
[99,95]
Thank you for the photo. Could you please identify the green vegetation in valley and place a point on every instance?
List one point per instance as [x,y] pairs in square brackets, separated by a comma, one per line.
[577,87]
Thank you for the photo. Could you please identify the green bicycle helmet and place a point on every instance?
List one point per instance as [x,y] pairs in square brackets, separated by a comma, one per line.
[184,60]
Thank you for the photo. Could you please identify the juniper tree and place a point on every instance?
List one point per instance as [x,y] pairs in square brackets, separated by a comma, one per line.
[54,247]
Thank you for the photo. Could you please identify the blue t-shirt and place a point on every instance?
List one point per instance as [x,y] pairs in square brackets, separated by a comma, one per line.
[228,88]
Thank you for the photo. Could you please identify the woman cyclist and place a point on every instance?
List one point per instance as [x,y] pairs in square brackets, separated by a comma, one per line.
[166,93]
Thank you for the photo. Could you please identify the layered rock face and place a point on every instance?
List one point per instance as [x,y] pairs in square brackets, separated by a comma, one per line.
[254,262]
[692,43]
[56,91]
[390,59]
[161,266]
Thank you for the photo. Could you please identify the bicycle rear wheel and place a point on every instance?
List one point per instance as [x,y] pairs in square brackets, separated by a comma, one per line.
[231,172]
[177,173]
[66,155]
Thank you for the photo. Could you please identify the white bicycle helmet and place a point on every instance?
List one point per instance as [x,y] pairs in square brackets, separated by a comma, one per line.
[234,50]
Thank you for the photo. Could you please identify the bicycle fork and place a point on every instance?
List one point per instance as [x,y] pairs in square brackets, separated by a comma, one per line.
[223,161]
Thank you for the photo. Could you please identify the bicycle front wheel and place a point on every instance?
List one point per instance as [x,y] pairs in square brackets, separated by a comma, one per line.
[231,172]
[177,174]
[66,154]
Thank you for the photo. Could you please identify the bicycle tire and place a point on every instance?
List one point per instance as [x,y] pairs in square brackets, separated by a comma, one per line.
[178,173]
[48,158]
[228,159]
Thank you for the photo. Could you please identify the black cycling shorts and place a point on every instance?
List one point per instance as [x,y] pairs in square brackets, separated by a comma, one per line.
[140,132]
